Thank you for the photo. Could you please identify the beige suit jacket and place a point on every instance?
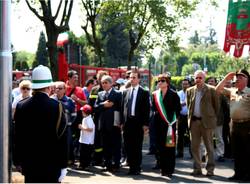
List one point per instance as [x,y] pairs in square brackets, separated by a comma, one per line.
[209,105]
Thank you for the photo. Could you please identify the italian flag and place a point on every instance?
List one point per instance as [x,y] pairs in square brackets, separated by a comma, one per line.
[170,140]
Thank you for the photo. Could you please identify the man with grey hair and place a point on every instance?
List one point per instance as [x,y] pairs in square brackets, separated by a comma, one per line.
[41,139]
[202,106]
[108,104]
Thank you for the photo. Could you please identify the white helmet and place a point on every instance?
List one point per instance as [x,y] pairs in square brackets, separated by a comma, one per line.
[41,77]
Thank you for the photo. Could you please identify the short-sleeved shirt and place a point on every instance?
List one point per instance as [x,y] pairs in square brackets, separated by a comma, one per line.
[239,104]
[78,92]
[87,137]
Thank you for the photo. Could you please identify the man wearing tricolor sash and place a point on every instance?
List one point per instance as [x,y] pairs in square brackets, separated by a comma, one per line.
[166,105]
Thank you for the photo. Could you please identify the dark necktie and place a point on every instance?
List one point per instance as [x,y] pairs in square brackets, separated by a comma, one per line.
[106,95]
[130,102]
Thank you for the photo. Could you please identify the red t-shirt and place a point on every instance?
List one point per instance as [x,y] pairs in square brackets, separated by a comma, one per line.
[78,92]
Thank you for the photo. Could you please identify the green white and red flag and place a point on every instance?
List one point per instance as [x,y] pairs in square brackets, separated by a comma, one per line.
[170,138]
[238,26]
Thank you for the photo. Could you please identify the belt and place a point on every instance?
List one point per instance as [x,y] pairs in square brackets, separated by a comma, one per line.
[195,118]
[241,120]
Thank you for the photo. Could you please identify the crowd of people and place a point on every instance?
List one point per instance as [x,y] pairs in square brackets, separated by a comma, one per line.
[60,124]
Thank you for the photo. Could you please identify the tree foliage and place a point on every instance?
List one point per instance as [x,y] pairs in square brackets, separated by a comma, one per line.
[141,17]
[41,53]
[54,24]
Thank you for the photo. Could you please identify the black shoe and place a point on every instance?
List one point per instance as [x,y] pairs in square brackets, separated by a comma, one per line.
[203,158]
[156,167]
[169,175]
[134,173]
[234,177]
[210,173]
[179,155]
[150,153]
[220,159]
[246,179]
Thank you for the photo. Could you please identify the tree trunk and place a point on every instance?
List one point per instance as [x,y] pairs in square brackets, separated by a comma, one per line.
[52,49]
[130,57]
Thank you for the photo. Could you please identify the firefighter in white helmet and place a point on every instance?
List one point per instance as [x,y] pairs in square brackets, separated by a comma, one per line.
[40,143]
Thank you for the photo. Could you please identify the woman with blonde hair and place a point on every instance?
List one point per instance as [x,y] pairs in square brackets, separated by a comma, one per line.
[25,88]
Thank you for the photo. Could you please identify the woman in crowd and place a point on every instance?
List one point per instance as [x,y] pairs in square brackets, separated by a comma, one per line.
[166,105]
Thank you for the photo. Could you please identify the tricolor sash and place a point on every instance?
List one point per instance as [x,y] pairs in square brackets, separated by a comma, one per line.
[170,140]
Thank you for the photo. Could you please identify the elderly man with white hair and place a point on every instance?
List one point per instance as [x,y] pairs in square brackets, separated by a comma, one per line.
[202,105]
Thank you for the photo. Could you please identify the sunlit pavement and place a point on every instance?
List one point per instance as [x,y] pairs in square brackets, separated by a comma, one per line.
[183,169]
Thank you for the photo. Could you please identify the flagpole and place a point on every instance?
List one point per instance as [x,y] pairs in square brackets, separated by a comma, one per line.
[5,89]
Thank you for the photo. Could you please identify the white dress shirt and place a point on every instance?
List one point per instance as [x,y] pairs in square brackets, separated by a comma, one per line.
[134,98]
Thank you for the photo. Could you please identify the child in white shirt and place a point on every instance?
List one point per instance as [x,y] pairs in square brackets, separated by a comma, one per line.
[87,136]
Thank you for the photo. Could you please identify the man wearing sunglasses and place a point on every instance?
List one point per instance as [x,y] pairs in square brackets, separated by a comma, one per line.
[202,103]
[70,113]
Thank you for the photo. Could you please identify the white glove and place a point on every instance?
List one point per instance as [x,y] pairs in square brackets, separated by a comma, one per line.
[63,174]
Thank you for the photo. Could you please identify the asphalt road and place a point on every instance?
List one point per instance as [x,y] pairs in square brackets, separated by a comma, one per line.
[183,169]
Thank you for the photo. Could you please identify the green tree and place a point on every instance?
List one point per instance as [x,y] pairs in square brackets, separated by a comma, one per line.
[116,46]
[181,59]
[43,12]
[41,53]
[195,40]
[189,69]
[23,60]
[92,9]
[141,17]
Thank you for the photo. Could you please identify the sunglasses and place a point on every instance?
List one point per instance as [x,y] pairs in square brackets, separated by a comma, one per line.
[161,81]
[25,88]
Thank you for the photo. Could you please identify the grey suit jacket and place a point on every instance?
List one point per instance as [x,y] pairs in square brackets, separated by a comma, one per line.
[209,105]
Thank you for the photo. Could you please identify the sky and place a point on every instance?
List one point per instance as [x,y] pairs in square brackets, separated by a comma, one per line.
[26,28]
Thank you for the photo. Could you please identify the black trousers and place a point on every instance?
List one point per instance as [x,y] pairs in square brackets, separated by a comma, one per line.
[167,159]
[86,151]
[112,147]
[241,148]
[182,131]
[42,176]
[133,138]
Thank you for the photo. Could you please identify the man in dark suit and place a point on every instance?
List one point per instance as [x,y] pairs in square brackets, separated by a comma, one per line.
[41,140]
[108,105]
[135,119]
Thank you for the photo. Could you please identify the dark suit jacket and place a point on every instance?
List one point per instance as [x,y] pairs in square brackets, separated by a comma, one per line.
[142,106]
[106,115]
[38,146]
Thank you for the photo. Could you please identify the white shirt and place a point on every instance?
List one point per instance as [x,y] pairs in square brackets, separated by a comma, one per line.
[87,137]
[16,100]
[134,98]
[183,97]
[197,110]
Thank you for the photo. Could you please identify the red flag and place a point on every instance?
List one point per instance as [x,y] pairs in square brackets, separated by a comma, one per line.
[238,26]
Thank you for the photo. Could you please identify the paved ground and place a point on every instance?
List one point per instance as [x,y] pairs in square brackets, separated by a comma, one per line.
[148,175]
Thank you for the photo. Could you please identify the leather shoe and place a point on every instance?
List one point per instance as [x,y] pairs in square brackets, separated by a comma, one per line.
[196,173]
[209,174]
[179,155]
[234,177]
[134,173]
